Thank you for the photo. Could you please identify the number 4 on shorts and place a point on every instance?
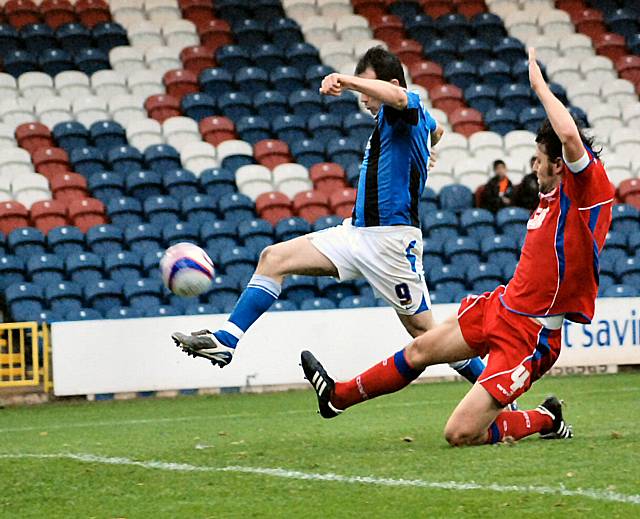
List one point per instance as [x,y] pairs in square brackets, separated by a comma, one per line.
[519,377]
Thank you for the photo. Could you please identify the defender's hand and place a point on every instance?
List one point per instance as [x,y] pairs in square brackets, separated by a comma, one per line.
[535,74]
[332,85]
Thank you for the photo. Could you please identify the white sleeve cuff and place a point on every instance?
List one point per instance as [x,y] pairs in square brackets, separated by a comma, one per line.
[578,165]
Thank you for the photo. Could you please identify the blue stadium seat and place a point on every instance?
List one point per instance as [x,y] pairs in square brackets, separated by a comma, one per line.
[358,125]
[512,220]
[37,37]
[302,56]
[162,311]
[198,209]
[283,306]
[256,233]
[315,74]
[250,33]
[335,290]
[342,105]
[233,57]
[70,135]
[24,300]
[456,198]
[65,240]
[608,260]
[202,309]
[305,102]
[53,61]
[143,292]
[251,80]
[618,241]
[17,62]
[484,277]
[325,126]
[253,129]
[501,120]
[161,210]
[478,223]
[633,242]
[270,104]
[236,207]
[11,271]
[287,79]
[125,312]
[476,51]
[9,38]
[461,73]
[266,11]
[324,222]
[103,239]
[26,241]
[510,50]
[218,182]
[495,73]
[515,96]
[84,267]
[357,302]
[318,303]
[179,304]
[215,81]
[198,105]
[628,271]
[345,151]
[83,314]
[237,262]
[269,56]
[124,211]
[455,26]
[531,118]
[488,27]
[180,183]
[429,196]
[447,277]
[499,249]
[621,291]
[73,36]
[284,31]
[143,237]
[624,21]
[219,235]
[441,51]
[625,218]
[123,266]
[441,224]
[63,297]
[296,288]
[462,251]
[144,184]
[633,43]
[179,232]
[224,292]
[433,251]
[236,161]
[289,128]
[45,269]
[46,316]
[420,27]
[90,61]
[107,185]
[87,160]
[108,35]
[107,135]
[151,260]
[235,105]
[308,151]
[162,157]
[605,282]
[289,228]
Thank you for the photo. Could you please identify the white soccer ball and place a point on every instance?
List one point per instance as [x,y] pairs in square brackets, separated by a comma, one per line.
[186,269]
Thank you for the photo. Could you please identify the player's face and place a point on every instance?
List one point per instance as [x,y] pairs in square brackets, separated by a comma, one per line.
[371,103]
[548,172]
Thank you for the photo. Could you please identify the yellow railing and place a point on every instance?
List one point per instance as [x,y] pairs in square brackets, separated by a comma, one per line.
[24,355]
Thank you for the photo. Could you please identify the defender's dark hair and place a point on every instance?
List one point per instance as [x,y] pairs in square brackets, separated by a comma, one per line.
[499,162]
[553,147]
[385,64]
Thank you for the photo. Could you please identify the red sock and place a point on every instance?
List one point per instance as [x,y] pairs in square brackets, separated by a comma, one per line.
[388,376]
[518,424]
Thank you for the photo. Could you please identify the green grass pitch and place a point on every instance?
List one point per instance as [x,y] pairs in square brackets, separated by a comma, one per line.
[271,455]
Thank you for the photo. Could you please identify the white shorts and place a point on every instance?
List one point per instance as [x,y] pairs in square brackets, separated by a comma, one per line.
[389,258]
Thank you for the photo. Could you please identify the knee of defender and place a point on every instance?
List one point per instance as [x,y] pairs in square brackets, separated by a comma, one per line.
[270,260]
[458,437]
[417,356]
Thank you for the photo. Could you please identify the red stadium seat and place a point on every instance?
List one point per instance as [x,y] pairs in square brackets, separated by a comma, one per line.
[388,27]
[87,213]
[12,216]
[446,97]
[196,59]
[589,22]
[93,12]
[629,68]
[436,8]
[369,8]
[327,177]
[48,214]
[51,162]
[466,121]
[21,12]
[32,136]
[180,83]
[409,51]
[162,106]
[426,74]
[215,33]
[200,12]
[573,7]
[69,187]
[273,206]
[271,153]
[57,12]
[342,201]
[629,192]
[311,205]
[611,45]
[216,129]
[470,8]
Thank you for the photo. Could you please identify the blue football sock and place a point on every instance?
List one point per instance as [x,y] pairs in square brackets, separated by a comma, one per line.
[470,369]
[257,298]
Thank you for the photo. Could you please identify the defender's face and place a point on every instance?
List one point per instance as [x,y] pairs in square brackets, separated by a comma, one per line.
[548,172]
[371,103]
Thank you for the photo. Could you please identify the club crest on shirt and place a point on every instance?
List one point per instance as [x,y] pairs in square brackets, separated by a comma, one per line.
[535,222]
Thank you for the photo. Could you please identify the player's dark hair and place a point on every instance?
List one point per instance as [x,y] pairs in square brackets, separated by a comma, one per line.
[553,146]
[498,162]
[385,64]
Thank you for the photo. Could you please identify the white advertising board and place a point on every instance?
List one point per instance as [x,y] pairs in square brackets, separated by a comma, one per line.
[91,357]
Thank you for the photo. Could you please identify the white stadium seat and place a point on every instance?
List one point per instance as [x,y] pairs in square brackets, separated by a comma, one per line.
[8,86]
[300,10]
[180,34]
[71,84]
[485,140]
[291,179]
[34,85]
[162,58]
[127,108]
[618,167]
[360,47]
[143,133]
[335,9]
[108,83]
[521,24]
[604,116]
[583,94]
[598,70]
[126,59]
[253,180]
[179,131]
[625,142]
[15,162]
[546,48]
[198,156]
[88,110]
[337,53]
[319,30]
[576,46]
[455,144]
[620,92]
[7,136]
[127,12]
[17,111]
[145,83]
[234,147]
[30,188]
[53,110]
[161,11]
[631,116]
[564,71]
[555,21]
[353,28]
[143,35]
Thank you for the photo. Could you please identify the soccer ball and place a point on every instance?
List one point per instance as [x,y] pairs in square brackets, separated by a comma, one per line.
[186,269]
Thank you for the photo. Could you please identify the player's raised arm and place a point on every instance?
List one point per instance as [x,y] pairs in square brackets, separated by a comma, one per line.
[388,92]
[559,117]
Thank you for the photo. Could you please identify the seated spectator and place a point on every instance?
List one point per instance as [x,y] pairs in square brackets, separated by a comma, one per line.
[498,191]
[525,194]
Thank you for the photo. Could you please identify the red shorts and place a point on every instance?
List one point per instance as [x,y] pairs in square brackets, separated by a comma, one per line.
[520,349]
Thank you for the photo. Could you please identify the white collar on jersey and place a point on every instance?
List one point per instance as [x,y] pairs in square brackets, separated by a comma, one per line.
[550,196]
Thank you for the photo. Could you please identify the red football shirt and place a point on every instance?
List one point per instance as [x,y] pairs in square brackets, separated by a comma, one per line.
[558,268]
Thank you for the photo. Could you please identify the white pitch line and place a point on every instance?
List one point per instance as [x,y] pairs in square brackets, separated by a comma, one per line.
[598,495]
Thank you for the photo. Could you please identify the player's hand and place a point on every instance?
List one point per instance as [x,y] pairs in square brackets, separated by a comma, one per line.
[535,74]
[332,85]
[433,158]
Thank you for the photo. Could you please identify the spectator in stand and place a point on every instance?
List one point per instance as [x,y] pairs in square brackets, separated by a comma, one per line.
[526,193]
[498,192]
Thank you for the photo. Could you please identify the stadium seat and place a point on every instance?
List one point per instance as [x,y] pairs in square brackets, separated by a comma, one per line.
[64,297]
[45,269]
[273,207]
[462,251]
[447,278]
[271,153]
[318,303]
[65,240]
[24,300]
[161,210]
[11,271]
[198,209]
[327,177]
[102,239]
[108,35]
[145,83]
[443,224]
[218,182]
[180,183]
[255,234]
[143,237]
[216,129]
[311,205]
[456,198]
[162,106]
[144,184]
[233,154]
[289,228]
[218,235]
[32,136]
[625,218]
[84,267]
[143,292]
[86,213]
[123,266]
[162,157]
[237,262]
[12,215]
[48,214]
[198,106]
[180,232]
[499,249]
[104,295]
[478,223]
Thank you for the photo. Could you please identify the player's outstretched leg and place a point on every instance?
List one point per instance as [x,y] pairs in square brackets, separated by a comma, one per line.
[321,382]
[203,344]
